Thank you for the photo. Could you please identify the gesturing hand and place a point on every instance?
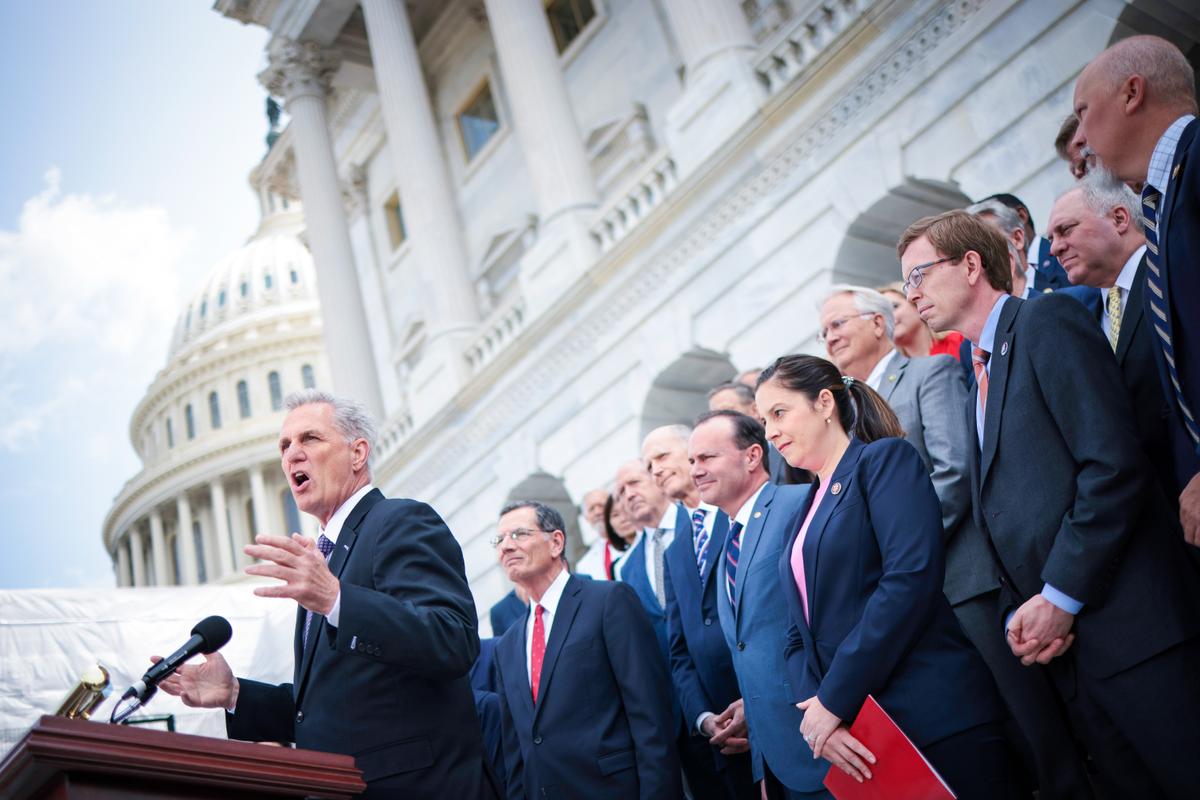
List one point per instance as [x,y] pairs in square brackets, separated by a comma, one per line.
[1040,631]
[818,724]
[1189,511]
[732,732]
[207,685]
[299,564]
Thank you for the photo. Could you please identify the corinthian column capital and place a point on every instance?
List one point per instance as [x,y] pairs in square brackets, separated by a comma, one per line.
[298,69]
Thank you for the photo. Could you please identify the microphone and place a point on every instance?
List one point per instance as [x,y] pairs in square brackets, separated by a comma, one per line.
[209,635]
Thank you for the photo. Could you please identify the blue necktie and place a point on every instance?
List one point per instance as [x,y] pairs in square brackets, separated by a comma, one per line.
[732,551]
[326,546]
[700,538]
[1154,282]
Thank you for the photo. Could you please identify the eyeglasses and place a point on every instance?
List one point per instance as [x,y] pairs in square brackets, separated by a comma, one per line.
[836,325]
[518,535]
[916,274]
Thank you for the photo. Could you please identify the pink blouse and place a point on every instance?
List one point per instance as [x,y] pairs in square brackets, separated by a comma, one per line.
[798,549]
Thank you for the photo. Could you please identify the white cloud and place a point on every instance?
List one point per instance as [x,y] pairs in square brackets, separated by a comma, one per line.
[84,270]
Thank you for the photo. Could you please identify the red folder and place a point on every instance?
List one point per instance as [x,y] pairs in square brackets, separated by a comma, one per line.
[900,772]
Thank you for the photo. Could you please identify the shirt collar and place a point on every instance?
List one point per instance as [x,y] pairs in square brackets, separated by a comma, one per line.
[553,593]
[742,517]
[668,517]
[988,337]
[880,369]
[1158,174]
[338,519]
[1125,279]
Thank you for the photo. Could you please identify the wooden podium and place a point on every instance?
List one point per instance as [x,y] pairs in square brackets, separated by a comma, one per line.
[67,759]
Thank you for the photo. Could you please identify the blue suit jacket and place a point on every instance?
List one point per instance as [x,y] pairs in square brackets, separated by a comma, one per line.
[755,630]
[701,667]
[602,726]
[1048,274]
[1179,258]
[880,625]
[505,612]
[633,572]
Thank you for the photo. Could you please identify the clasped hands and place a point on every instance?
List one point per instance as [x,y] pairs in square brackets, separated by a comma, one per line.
[830,739]
[728,730]
[1039,631]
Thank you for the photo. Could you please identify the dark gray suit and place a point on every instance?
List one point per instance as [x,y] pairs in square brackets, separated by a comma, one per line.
[1066,498]
[928,395]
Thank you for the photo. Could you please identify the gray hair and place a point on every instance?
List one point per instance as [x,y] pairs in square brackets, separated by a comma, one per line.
[681,433]
[548,520]
[867,301]
[744,392]
[1008,220]
[350,416]
[1102,192]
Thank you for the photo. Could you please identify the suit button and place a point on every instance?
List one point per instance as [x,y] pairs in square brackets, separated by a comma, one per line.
[708,621]
[537,740]
[299,716]
[741,645]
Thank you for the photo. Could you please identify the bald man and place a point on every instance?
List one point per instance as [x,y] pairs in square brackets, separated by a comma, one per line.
[1136,104]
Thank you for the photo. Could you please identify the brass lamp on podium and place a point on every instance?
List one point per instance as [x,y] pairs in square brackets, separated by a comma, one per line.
[89,693]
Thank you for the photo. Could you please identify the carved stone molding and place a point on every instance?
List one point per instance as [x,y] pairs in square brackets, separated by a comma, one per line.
[298,69]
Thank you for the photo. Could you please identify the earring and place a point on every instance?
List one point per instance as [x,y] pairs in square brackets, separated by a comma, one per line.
[827,420]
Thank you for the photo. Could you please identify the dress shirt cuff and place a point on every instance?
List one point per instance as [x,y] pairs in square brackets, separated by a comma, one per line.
[1065,602]
[700,721]
[335,613]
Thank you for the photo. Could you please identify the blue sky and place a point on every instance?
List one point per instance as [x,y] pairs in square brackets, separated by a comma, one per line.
[129,131]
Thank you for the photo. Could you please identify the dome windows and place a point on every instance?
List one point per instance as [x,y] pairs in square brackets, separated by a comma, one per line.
[189,419]
[276,388]
[243,393]
[170,434]
[267,281]
[214,410]
[221,299]
[307,377]
[245,288]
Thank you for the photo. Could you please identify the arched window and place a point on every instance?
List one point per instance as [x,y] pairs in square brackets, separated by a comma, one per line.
[243,391]
[190,419]
[276,391]
[267,280]
[307,377]
[295,277]
[221,299]
[203,309]
[170,434]
[245,288]
[214,410]
[198,544]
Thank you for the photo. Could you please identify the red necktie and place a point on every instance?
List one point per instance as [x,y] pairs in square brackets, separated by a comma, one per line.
[537,652]
[979,359]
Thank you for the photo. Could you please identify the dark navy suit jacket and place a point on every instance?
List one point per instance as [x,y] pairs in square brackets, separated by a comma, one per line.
[602,726]
[880,624]
[1179,256]
[701,667]
[505,612]
[388,685]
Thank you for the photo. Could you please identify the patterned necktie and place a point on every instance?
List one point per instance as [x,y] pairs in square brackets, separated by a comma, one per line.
[979,359]
[1154,282]
[1114,316]
[537,650]
[700,539]
[732,551]
[326,546]
[657,553]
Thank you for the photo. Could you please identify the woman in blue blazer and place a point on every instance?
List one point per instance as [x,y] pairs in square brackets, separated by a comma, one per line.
[863,575]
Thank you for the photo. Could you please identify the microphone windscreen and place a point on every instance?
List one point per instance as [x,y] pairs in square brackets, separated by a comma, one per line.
[215,631]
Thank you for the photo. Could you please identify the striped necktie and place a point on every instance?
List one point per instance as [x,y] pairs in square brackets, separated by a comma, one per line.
[700,539]
[732,551]
[1151,197]
[326,546]
[1114,316]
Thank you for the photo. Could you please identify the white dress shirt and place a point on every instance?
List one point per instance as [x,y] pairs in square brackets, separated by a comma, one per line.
[875,379]
[1124,284]
[549,604]
[331,532]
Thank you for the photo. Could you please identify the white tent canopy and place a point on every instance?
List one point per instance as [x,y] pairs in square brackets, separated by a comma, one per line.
[49,637]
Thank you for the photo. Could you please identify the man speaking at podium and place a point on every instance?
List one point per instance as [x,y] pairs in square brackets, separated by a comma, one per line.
[386,629]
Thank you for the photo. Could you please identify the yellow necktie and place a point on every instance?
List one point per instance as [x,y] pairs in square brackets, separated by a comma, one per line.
[1114,316]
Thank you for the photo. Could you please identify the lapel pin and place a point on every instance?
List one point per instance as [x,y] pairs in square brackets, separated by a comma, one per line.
[836,488]
[757,514]
[1004,348]
[1175,173]
[1047,290]
[891,378]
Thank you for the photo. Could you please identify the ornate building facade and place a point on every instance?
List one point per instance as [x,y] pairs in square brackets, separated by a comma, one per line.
[542,227]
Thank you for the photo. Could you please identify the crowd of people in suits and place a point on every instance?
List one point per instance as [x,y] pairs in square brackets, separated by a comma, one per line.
[981,508]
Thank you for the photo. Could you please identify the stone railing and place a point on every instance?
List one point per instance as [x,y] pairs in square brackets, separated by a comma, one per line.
[641,196]
[803,38]
[496,333]
[394,433]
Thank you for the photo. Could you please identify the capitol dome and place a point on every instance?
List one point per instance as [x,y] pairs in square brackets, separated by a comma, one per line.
[207,427]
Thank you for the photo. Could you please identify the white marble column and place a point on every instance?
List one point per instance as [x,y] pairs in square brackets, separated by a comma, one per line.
[721,90]
[124,575]
[189,568]
[258,496]
[158,549]
[426,194]
[544,120]
[221,541]
[299,72]
[706,29]
[138,555]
